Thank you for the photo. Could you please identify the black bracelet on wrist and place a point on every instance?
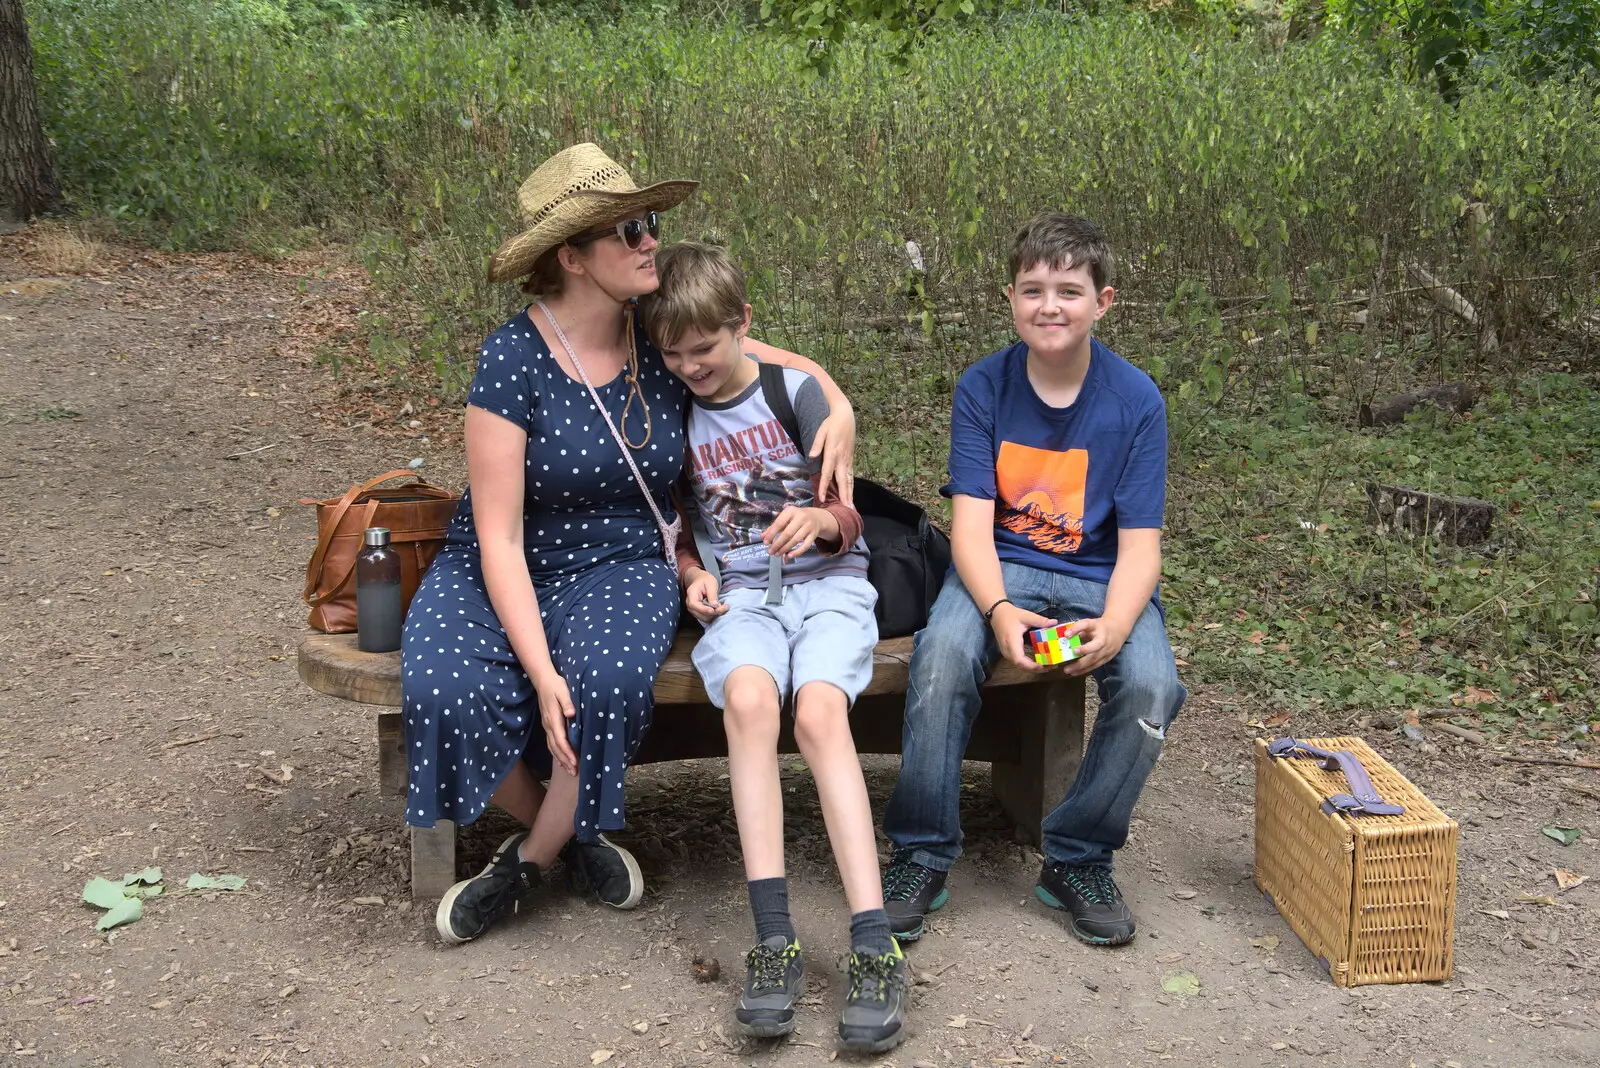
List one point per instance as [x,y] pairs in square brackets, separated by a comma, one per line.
[988,617]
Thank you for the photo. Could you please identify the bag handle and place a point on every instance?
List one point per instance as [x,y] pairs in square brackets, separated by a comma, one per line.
[1363,798]
[325,538]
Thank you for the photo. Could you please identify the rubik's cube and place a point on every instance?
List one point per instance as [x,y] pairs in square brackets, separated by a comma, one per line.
[1050,645]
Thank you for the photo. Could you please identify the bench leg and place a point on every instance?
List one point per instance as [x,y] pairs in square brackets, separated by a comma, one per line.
[391,754]
[1051,721]
[433,860]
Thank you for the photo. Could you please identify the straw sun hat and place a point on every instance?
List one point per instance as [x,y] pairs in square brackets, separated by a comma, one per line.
[575,190]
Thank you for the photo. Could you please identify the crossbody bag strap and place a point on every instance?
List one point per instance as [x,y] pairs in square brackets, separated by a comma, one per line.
[668,531]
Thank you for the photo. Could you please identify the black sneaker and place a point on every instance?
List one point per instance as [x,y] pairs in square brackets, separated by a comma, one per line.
[605,869]
[874,1017]
[470,906]
[775,974]
[1099,915]
[910,892]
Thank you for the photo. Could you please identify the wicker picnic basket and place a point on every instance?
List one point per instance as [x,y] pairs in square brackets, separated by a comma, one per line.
[1372,895]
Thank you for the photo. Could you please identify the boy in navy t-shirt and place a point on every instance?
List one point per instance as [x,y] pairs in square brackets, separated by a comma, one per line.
[1058,467]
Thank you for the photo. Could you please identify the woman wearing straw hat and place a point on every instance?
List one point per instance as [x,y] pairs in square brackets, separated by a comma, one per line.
[532,646]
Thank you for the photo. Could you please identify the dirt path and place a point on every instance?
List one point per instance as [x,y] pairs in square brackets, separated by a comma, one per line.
[159,419]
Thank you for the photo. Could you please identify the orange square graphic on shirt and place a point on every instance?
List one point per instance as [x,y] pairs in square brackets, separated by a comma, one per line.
[1041,495]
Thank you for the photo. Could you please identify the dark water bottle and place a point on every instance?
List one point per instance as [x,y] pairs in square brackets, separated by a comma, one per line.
[378,615]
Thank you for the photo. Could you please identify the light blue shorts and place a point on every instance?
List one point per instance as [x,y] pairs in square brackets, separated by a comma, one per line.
[823,631]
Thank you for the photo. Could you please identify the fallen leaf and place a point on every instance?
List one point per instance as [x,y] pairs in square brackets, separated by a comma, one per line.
[1499,914]
[957,1021]
[1256,637]
[1566,880]
[1565,835]
[1478,695]
[1212,626]
[130,909]
[600,1056]
[1278,719]
[103,893]
[214,882]
[1536,899]
[1266,942]
[1186,895]
[1184,984]
[149,877]
[274,513]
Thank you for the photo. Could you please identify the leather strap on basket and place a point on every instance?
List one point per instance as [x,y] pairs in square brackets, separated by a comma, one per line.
[325,537]
[1363,797]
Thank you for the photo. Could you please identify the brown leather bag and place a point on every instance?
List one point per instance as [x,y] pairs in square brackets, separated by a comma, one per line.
[417,515]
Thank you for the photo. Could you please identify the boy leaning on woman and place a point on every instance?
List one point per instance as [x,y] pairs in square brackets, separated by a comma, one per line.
[1058,482]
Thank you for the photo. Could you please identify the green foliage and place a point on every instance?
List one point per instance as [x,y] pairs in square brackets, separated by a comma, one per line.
[1277,581]
[1256,194]
[824,24]
[1445,39]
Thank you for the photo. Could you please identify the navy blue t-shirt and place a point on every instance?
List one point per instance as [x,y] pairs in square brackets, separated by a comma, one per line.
[1063,480]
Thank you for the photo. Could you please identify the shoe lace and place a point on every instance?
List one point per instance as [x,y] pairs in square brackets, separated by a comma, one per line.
[871,977]
[1091,881]
[767,966]
[905,880]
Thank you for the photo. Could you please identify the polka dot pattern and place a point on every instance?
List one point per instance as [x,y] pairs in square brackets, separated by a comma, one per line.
[607,599]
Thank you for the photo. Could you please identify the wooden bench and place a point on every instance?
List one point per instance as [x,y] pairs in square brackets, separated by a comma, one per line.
[1031,730]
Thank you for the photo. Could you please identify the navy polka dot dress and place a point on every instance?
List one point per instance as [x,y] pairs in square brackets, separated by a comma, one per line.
[608,600]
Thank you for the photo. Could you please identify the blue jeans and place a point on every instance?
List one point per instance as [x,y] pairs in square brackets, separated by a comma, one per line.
[1139,697]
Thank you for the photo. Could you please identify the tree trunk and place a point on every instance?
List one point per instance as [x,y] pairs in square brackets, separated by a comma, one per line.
[1451,397]
[28,183]
[1458,520]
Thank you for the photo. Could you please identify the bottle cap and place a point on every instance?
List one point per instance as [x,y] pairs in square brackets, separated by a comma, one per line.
[375,536]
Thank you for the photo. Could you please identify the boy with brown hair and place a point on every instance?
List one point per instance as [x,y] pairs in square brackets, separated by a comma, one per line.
[780,584]
[1058,464]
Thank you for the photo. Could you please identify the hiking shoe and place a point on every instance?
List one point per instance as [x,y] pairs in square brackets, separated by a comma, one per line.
[470,906]
[605,869]
[874,1018]
[775,974]
[910,892]
[1099,915]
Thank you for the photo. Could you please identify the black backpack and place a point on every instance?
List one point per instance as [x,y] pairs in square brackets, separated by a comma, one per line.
[909,555]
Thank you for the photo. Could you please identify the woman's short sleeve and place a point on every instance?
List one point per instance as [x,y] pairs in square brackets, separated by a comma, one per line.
[502,384]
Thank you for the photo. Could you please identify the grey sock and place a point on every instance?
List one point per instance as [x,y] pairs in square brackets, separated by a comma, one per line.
[769,903]
[869,932]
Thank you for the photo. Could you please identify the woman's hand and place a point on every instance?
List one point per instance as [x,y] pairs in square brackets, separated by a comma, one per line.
[555,710]
[797,529]
[700,595]
[1010,623]
[835,442]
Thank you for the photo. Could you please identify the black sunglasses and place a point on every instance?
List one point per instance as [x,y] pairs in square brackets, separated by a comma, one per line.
[631,231]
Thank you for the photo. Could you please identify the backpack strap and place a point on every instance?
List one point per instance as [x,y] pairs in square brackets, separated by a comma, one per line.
[775,391]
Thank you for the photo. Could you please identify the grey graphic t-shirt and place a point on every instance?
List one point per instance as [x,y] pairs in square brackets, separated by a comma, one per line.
[743,470]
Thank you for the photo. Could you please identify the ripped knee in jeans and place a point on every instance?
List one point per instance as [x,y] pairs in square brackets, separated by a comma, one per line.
[1158,731]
